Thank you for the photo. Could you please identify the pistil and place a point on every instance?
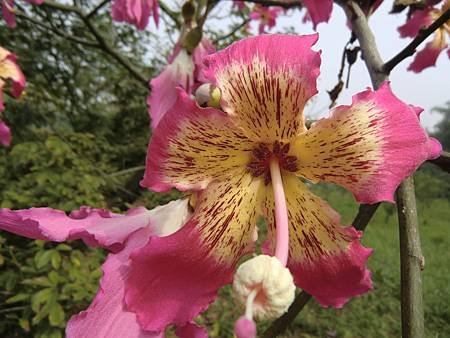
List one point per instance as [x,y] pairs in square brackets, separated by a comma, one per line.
[281,213]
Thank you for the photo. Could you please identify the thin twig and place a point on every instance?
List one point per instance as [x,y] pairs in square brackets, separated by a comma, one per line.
[127,171]
[171,14]
[410,49]
[281,3]
[232,32]
[58,31]
[102,43]
[443,161]
[111,51]
[97,8]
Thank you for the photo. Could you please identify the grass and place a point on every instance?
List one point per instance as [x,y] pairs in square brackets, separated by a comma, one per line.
[376,314]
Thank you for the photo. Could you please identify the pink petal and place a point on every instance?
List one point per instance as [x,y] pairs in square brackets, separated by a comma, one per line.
[193,146]
[425,58]
[191,330]
[179,73]
[5,134]
[96,227]
[319,10]
[420,19]
[333,280]
[265,82]
[9,70]
[203,49]
[175,278]
[107,316]
[368,147]
[135,12]
[8,14]
[325,258]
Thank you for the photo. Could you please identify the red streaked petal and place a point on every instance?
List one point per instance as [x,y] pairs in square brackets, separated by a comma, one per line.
[368,147]
[193,146]
[265,82]
[175,278]
[326,259]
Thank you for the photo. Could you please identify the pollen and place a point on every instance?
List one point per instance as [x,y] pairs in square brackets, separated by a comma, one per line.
[264,153]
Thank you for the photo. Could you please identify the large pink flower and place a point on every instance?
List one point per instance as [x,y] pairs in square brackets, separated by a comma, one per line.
[185,71]
[10,73]
[428,56]
[266,16]
[7,7]
[233,157]
[135,12]
[107,316]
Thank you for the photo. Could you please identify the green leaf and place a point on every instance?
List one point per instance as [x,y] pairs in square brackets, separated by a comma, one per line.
[38,281]
[54,278]
[42,258]
[40,297]
[17,298]
[63,247]
[55,259]
[56,314]
[24,324]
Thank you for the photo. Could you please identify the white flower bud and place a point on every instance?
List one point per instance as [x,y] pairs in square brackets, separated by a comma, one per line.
[274,282]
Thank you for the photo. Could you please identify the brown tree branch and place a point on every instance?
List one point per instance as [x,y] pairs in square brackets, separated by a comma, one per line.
[102,42]
[285,4]
[171,14]
[233,31]
[97,8]
[57,31]
[443,161]
[410,49]
[411,262]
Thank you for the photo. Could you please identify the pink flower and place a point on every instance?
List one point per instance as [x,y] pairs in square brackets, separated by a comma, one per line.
[183,70]
[267,16]
[318,10]
[7,7]
[135,12]
[107,316]
[240,5]
[10,73]
[427,57]
[243,160]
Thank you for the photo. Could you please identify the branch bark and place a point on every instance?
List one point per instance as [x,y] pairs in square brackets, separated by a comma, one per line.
[285,4]
[411,262]
[443,161]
